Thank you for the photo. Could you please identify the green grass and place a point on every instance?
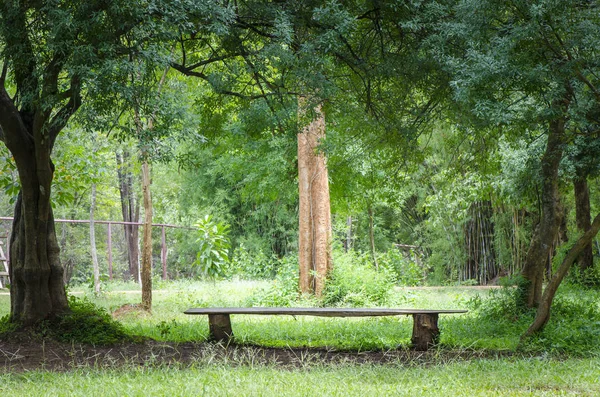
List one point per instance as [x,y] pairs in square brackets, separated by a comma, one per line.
[577,333]
[485,377]
[544,371]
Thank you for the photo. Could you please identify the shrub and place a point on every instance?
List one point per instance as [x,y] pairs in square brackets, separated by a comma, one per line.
[589,278]
[213,247]
[405,272]
[249,265]
[283,290]
[574,325]
[355,282]
[87,323]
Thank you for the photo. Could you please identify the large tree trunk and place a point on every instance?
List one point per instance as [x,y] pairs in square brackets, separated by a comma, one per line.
[545,232]
[543,311]
[585,260]
[131,212]
[314,213]
[147,246]
[94,252]
[37,290]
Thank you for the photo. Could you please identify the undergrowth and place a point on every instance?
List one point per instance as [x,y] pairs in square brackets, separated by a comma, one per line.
[573,328]
[353,282]
[86,323]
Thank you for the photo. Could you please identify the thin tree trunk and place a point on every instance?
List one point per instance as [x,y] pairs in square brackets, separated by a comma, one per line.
[545,233]
[348,242]
[147,246]
[582,216]
[543,311]
[95,265]
[372,235]
[109,250]
[163,253]
[146,274]
[130,209]
[314,212]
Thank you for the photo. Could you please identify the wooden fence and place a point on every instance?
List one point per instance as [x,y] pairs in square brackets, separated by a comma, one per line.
[163,249]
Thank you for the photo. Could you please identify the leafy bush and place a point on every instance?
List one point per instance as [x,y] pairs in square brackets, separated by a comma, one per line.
[249,265]
[355,282]
[589,278]
[283,291]
[502,304]
[574,325]
[87,323]
[213,249]
[7,327]
[405,272]
[573,328]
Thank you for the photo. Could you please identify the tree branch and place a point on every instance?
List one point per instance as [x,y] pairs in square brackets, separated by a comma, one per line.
[14,132]
[59,121]
[205,77]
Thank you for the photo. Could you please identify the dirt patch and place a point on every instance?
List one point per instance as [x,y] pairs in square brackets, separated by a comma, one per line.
[26,355]
[128,309]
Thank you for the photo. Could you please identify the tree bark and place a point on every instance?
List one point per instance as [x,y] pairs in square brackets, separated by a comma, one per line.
[314,241]
[95,265]
[545,232]
[37,288]
[131,212]
[543,311]
[585,260]
[147,245]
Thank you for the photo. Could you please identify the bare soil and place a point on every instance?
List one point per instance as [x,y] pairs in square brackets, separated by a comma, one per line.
[26,354]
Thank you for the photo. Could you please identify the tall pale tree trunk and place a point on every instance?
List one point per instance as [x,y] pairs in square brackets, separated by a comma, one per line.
[314,243]
[546,231]
[147,239]
[143,128]
[95,265]
[585,260]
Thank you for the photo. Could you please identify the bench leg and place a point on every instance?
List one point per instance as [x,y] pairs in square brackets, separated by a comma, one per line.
[425,331]
[219,327]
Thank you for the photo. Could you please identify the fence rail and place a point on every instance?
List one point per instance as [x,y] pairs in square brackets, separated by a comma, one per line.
[163,242]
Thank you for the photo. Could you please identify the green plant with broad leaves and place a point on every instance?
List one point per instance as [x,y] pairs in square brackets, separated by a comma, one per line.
[213,247]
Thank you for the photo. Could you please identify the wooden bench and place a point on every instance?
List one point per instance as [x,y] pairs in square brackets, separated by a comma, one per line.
[425,322]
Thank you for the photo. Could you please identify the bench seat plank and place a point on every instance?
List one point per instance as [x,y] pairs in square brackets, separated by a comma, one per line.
[317,311]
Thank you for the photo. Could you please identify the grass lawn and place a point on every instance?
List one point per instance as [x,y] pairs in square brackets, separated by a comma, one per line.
[506,377]
[560,362]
